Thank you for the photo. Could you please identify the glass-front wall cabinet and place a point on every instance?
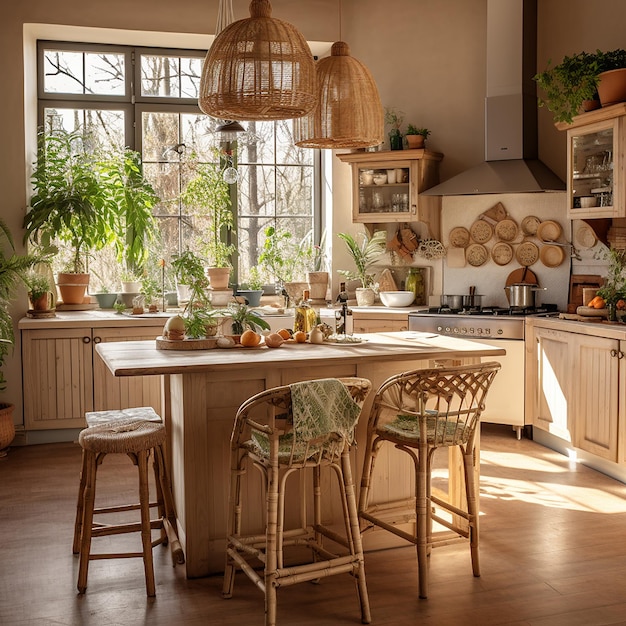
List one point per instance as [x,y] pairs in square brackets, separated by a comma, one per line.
[387,185]
[594,165]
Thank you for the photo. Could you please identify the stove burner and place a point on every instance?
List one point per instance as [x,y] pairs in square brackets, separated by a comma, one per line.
[495,311]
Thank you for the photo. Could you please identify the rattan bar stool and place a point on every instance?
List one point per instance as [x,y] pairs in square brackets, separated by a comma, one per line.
[93,418]
[419,412]
[139,439]
[283,432]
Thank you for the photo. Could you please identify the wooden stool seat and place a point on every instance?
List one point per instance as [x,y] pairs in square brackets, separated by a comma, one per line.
[138,439]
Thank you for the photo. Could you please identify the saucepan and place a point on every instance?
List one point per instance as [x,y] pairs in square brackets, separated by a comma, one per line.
[522,295]
[454,303]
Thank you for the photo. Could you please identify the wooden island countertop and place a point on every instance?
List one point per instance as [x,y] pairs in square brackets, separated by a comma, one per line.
[203,390]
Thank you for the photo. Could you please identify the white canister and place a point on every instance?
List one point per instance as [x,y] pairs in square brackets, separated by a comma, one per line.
[391,176]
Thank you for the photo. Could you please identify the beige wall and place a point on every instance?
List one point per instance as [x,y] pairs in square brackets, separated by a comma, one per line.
[427,56]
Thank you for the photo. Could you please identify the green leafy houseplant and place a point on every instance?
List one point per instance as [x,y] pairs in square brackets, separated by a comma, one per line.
[207,196]
[413,130]
[574,80]
[242,318]
[394,119]
[89,199]
[614,287]
[285,258]
[14,271]
[188,267]
[38,285]
[364,254]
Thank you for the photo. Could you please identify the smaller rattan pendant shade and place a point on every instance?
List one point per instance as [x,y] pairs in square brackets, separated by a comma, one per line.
[259,68]
[349,113]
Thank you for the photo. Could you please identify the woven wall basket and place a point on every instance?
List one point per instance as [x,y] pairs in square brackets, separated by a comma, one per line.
[259,68]
[349,113]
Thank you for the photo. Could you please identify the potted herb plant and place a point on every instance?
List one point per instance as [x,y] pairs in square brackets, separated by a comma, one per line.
[614,288]
[242,318]
[612,76]
[394,119]
[189,268]
[39,292]
[317,278]
[208,194]
[88,199]
[14,271]
[364,254]
[252,289]
[415,137]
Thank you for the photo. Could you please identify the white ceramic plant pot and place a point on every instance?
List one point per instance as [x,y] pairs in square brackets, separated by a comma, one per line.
[318,285]
[365,296]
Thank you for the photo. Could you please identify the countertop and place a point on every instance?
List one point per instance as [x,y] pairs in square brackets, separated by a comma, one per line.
[138,358]
[614,330]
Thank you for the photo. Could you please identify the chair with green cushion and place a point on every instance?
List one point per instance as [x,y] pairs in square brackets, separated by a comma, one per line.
[295,430]
[418,412]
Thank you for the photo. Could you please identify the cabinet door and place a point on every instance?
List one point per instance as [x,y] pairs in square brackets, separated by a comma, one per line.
[553,383]
[57,377]
[595,168]
[596,369]
[115,392]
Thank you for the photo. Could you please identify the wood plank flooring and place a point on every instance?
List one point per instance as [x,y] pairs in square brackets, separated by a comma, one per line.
[553,552]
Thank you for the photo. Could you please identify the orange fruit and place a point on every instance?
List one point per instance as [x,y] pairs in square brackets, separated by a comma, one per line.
[249,338]
[621,305]
[285,333]
[299,336]
[599,303]
[274,340]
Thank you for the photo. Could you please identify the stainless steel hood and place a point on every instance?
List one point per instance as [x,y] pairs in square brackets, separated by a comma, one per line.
[511,164]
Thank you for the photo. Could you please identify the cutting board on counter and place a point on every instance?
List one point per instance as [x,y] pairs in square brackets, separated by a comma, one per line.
[577,283]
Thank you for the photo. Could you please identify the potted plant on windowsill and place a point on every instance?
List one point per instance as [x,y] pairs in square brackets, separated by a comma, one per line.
[86,198]
[39,292]
[286,260]
[252,289]
[364,254]
[208,195]
[14,271]
[415,137]
[317,278]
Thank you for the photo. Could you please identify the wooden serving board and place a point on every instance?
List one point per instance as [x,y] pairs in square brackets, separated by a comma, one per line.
[520,275]
[185,344]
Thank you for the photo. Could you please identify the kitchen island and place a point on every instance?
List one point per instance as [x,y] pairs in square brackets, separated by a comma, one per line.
[203,390]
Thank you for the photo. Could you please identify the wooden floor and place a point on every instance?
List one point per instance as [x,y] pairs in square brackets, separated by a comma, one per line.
[553,552]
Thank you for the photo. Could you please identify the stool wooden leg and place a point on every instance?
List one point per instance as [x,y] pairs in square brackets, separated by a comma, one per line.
[422,514]
[80,505]
[146,533]
[89,496]
[472,508]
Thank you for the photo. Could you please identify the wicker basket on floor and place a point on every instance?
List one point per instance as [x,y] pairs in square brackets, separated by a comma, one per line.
[7,428]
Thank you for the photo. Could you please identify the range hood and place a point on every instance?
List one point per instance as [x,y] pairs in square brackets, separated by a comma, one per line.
[511,164]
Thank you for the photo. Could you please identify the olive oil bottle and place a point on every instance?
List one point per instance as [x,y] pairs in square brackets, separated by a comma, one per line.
[305,316]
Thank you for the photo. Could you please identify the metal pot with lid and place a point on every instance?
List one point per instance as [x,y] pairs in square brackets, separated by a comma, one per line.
[454,303]
[522,295]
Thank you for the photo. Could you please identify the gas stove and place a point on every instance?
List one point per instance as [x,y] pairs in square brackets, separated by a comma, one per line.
[479,323]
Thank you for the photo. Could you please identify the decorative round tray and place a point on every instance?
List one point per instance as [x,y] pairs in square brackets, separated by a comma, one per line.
[552,256]
[585,236]
[459,237]
[549,231]
[476,254]
[530,224]
[506,230]
[527,253]
[481,231]
[502,253]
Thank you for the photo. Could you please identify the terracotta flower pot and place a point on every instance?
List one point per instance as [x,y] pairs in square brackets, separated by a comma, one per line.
[318,285]
[612,87]
[72,287]
[218,276]
[415,141]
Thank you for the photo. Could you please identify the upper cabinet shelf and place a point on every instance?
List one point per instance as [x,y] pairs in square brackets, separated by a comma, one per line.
[595,163]
[386,186]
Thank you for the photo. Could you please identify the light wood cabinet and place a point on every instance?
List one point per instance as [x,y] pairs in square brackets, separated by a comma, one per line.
[396,196]
[596,164]
[63,377]
[578,389]
[372,322]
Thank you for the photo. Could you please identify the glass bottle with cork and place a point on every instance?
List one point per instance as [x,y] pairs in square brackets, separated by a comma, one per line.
[305,316]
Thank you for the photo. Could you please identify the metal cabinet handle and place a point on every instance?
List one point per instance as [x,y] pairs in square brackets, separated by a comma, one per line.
[97,339]
[620,354]
[86,339]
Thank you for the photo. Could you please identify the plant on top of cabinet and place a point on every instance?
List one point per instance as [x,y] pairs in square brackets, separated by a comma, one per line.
[415,137]
[394,119]
[569,85]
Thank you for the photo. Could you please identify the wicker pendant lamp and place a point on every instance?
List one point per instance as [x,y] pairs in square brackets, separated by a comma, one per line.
[259,68]
[349,113]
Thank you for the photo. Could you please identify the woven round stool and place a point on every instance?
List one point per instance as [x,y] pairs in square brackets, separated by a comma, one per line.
[138,439]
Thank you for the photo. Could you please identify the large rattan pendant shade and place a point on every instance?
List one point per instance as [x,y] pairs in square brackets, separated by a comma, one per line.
[259,68]
[349,113]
